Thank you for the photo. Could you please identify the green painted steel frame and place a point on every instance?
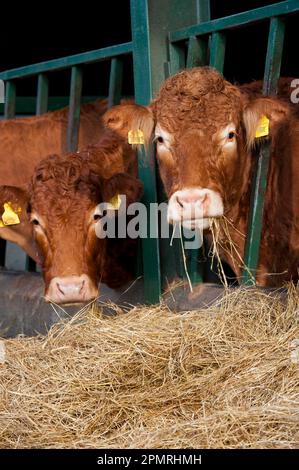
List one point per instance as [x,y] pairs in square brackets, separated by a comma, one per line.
[150,26]
[147,164]
[74,109]
[29,104]
[42,100]
[115,82]
[91,57]
[235,21]
[10,100]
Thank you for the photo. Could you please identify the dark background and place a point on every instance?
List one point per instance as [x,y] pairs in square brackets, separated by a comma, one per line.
[51,30]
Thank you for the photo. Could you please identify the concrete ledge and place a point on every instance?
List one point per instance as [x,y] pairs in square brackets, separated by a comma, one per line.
[24,311]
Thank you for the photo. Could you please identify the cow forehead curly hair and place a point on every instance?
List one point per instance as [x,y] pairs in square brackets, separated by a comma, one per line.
[201,96]
[65,174]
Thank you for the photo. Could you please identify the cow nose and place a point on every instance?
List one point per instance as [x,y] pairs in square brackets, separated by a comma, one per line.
[190,198]
[71,289]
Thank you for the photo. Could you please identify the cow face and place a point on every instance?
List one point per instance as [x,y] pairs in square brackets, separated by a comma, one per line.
[62,208]
[204,129]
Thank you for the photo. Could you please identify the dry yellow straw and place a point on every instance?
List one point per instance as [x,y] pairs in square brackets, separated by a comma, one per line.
[226,376]
[222,240]
[183,253]
[184,260]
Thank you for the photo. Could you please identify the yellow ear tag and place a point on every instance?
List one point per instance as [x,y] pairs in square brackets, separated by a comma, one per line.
[9,216]
[136,137]
[114,202]
[263,127]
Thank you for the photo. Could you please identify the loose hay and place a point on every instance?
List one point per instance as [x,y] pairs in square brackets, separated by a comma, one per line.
[222,242]
[226,376]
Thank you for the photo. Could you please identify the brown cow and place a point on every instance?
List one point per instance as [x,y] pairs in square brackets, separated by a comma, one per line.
[25,141]
[59,212]
[284,92]
[205,132]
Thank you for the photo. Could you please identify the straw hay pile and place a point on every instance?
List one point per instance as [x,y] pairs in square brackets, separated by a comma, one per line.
[227,376]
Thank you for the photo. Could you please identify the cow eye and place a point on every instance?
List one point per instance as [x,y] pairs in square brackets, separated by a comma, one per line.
[231,135]
[159,139]
[35,222]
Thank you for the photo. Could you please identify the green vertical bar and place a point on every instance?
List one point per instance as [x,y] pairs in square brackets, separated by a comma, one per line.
[74,109]
[255,223]
[41,108]
[198,47]
[197,52]
[274,56]
[10,250]
[147,166]
[115,81]
[9,113]
[42,94]
[177,58]
[10,100]
[203,11]
[217,51]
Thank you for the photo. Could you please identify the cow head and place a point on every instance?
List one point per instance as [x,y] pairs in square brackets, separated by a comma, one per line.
[204,130]
[62,211]
[21,232]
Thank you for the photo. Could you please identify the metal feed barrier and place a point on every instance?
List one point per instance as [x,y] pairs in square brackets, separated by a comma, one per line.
[163,42]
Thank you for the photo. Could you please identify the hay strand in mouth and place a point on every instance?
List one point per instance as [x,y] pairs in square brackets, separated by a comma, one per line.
[222,242]
[216,236]
[184,261]
[183,253]
[172,235]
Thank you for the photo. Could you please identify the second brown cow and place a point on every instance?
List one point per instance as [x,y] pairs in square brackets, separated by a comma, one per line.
[58,216]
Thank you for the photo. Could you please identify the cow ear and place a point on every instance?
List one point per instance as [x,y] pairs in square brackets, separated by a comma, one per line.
[119,185]
[273,109]
[130,117]
[14,203]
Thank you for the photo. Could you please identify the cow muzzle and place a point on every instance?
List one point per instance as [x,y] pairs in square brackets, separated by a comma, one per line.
[71,290]
[194,207]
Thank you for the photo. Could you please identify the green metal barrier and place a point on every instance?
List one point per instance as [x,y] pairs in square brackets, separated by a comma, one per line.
[74,63]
